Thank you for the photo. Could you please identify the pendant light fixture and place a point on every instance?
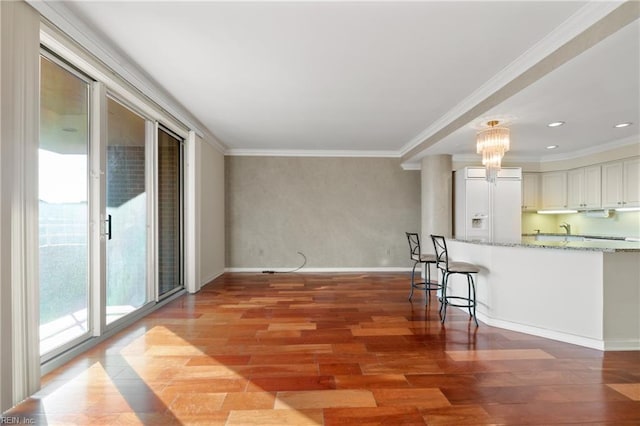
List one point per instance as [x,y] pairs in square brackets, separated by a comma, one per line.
[492,143]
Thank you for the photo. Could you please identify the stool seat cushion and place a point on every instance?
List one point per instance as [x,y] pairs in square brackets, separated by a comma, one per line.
[462,267]
[428,258]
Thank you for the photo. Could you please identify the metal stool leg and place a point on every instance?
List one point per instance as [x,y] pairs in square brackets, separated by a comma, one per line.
[413,273]
[427,283]
[443,306]
[473,287]
[469,295]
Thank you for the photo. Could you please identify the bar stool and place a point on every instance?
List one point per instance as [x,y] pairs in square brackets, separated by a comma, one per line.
[448,268]
[426,259]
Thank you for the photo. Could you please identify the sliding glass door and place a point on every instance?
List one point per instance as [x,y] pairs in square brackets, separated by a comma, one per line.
[126,211]
[170,212]
[110,209]
[63,206]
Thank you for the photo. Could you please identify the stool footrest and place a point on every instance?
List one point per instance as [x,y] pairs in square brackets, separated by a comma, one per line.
[430,286]
[470,303]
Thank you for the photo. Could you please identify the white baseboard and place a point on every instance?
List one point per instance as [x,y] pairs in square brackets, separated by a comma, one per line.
[601,345]
[542,332]
[208,279]
[323,270]
[622,345]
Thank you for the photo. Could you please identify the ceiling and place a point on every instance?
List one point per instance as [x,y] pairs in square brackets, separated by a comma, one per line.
[374,78]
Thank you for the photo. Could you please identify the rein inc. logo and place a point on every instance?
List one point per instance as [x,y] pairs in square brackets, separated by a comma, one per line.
[16,420]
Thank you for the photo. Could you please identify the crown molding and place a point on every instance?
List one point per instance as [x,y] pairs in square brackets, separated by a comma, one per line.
[597,149]
[411,166]
[310,153]
[58,15]
[576,24]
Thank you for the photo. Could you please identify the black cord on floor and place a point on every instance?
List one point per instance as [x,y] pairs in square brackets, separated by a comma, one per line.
[293,270]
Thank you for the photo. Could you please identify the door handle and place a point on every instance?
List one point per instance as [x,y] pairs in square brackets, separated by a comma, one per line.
[108,223]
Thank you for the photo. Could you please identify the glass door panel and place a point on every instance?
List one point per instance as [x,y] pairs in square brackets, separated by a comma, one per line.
[126,212]
[169,205]
[63,206]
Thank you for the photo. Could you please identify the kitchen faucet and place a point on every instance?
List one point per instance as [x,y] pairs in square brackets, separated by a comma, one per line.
[566,227]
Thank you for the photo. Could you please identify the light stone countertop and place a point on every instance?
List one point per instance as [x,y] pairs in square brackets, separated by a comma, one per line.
[557,234]
[529,241]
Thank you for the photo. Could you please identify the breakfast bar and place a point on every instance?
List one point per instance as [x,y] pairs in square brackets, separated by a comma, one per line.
[581,292]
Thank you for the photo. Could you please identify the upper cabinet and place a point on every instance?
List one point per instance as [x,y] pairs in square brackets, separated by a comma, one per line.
[631,182]
[530,191]
[621,184]
[584,188]
[554,190]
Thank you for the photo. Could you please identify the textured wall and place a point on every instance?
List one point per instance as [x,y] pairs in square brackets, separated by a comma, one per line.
[340,212]
[211,212]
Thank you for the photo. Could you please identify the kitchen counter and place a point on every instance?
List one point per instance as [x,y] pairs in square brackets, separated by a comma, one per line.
[581,292]
[589,243]
[591,236]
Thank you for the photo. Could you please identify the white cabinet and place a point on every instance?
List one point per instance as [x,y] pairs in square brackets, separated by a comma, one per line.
[584,188]
[612,185]
[631,183]
[530,191]
[554,190]
[621,184]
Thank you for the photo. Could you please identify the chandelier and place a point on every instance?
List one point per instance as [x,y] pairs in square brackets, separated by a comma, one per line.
[492,143]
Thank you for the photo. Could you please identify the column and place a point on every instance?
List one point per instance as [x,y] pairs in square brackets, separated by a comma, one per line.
[437,182]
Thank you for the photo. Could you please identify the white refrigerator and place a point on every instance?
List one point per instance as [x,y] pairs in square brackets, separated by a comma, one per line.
[488,211]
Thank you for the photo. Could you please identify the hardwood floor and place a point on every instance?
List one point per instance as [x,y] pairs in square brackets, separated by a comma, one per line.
[298,349]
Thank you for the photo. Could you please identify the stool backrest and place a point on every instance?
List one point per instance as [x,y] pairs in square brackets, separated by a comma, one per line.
[440,246]
[414,245]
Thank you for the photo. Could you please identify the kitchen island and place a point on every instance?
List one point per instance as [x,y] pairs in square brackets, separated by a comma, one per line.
[581,292]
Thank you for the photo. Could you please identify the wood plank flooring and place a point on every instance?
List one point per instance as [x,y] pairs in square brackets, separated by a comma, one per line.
[320,349]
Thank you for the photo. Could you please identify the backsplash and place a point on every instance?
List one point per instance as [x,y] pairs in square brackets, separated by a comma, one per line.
[618,224]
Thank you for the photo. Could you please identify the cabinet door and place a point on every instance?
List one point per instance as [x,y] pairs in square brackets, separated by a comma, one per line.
[554,190]
[576,188]
[612,193]
[506,220]
[592,196]
[631,183]
[530,191]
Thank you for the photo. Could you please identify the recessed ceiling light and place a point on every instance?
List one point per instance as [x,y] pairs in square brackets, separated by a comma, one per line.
[555,124]
[552,146]
[621,125]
